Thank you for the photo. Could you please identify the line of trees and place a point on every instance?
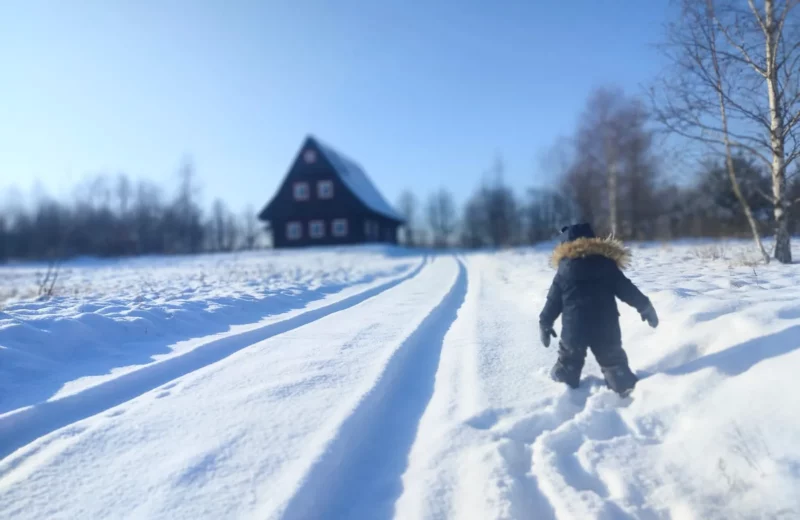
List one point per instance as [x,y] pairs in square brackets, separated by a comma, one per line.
[731,93]
[113,216]
[614,172]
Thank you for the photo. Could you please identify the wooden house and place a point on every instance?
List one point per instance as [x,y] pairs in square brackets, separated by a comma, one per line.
[327,199]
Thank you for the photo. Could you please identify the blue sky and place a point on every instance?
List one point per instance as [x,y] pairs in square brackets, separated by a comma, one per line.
[422,93]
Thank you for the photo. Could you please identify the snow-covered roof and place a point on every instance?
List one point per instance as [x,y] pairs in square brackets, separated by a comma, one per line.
[356,179]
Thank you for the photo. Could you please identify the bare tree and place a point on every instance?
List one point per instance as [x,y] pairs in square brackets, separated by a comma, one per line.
[496,204]
[441,216]
[249,228]
[490,217]
[233,234]
[612,173]
[475,221]
[185,216]
[605,126]
[148,219]
[124,194]
[223,231]
[407,203]
[737,88]
[219,213]
[546,212]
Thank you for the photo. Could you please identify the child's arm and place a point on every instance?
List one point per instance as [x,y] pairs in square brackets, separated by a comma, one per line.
[551,311]
[630,294]
[553,306]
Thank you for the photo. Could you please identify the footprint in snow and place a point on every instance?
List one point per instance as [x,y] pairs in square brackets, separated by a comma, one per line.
[486,419]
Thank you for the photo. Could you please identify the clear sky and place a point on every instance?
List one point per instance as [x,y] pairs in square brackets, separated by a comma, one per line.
[422,93]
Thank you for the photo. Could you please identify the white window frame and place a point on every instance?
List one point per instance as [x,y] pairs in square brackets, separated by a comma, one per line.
[371,229]
[320,224]
[343,223]
[294,225]
[301,184]
[320,194]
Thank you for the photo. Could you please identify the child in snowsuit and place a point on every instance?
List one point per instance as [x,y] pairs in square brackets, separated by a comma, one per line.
[584,289]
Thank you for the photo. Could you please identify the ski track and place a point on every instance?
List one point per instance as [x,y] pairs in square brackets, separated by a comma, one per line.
[370,452]
[331,380]
[21,427]
[478,465]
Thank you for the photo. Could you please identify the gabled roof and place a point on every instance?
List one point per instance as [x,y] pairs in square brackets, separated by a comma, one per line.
[354,177]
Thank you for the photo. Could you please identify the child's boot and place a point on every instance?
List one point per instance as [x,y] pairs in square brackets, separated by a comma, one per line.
[613,362]
[569,366]
[620,379]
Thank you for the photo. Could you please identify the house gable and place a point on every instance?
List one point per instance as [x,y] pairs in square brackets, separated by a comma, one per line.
[357,181]
[352,191]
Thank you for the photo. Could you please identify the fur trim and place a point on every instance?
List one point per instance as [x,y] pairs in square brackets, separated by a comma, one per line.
[582,247]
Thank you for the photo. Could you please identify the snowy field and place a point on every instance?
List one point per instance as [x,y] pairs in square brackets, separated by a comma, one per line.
[376,383]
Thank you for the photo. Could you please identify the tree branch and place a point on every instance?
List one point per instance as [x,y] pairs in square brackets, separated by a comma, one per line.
[687,118]
[700,70]
[745,55]
[767,196]
[760,20]
[789,126]
[713,141]
[788,6]
[792,157]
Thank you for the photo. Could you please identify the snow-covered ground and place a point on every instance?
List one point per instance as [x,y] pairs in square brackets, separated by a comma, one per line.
[374,383]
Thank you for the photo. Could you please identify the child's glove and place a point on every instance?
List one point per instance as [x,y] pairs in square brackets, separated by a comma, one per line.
[544,333]
[649,315]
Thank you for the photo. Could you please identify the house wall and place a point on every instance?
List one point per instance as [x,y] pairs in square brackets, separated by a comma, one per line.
[284,208]
[385,232]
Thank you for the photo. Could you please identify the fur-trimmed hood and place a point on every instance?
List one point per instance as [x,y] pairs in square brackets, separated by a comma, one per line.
[583,247]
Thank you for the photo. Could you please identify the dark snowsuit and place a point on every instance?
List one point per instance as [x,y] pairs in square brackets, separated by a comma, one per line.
[584,292]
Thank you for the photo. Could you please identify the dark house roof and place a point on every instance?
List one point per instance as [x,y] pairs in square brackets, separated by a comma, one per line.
[352,175]
[356,179]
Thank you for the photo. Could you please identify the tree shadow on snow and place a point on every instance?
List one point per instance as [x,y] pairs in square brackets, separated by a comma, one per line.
[742,357]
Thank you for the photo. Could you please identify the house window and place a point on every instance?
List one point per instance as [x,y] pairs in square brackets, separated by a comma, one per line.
[294,231]
[316,228]
[325,189]
[310,156]
[371,229]
[339,227]
[301,191]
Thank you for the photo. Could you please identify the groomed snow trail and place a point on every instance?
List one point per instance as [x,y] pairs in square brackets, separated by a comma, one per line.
[492,399]
[243,436]
[26,424]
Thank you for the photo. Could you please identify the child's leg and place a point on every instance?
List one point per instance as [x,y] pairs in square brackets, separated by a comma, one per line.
[569,365]
[613,362]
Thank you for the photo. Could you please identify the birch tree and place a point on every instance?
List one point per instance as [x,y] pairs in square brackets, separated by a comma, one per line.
[736,88]
[613,170]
